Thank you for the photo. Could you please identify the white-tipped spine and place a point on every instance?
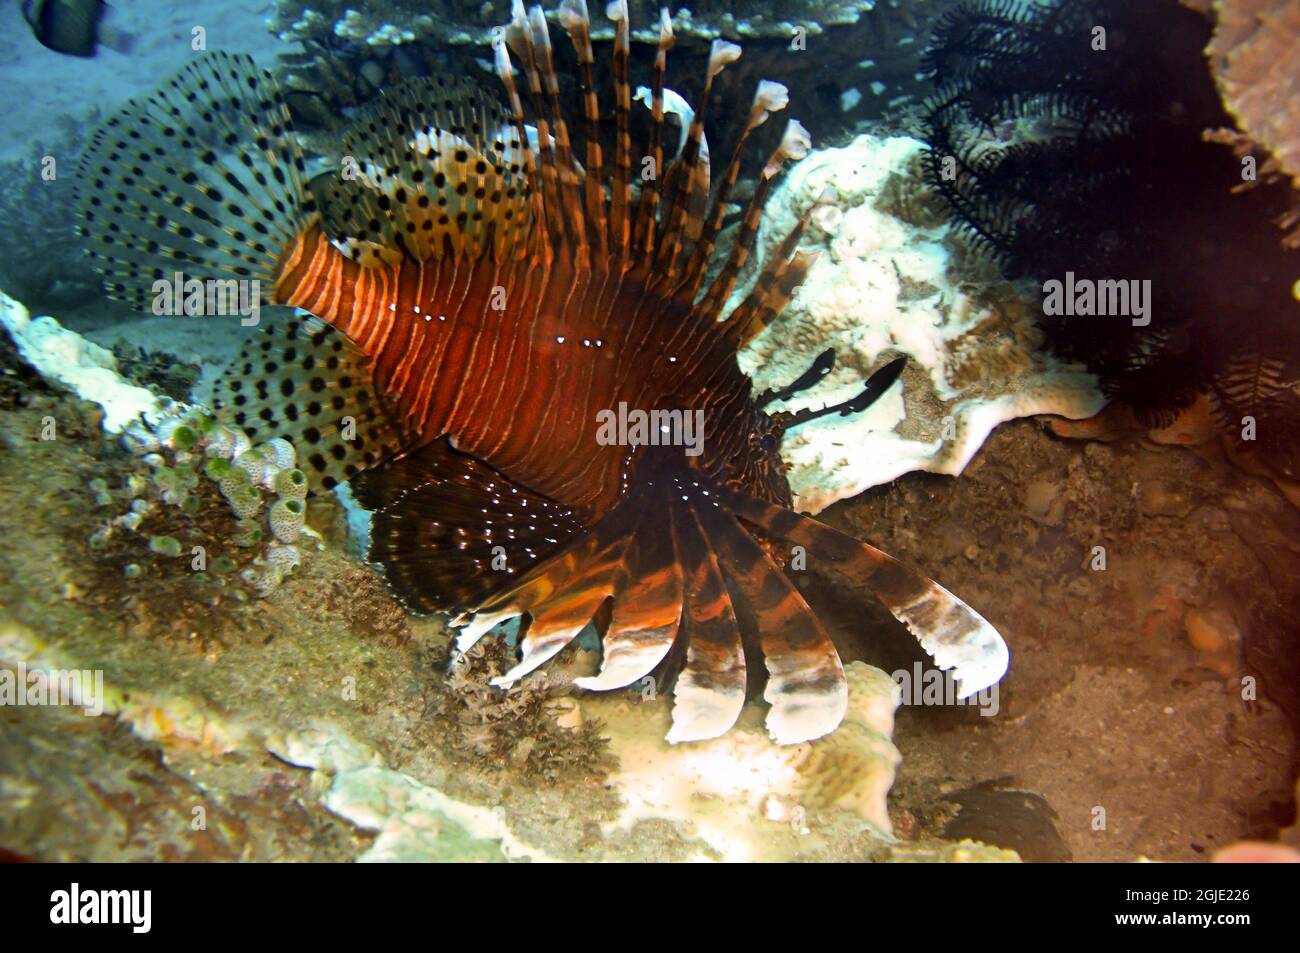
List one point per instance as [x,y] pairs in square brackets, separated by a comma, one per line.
[721,53]
[794,146]
[768,98]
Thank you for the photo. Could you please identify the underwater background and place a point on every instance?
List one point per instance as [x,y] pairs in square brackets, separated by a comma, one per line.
[209,651]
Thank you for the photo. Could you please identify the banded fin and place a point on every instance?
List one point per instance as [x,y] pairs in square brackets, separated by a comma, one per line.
[710,689]
[434,166]
[439,513]
[203,176]
[558,590]
[671,576]
[955,636]
[556,621]
[305,381]
[806,688]
[645,615]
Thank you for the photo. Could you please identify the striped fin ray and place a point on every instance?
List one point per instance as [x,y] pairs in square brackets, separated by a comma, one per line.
[710,689]
[806,686]
[537,205]
[203,177]
[688,179]
[435,166]
[556,621]
[794,145]
[646,613]
[621,189]
[306,382]
[555,579]
[518,36]
[573,14]
[770,97]
[570,192]
[429,531]
[955,636]
[644,228]
[784,272]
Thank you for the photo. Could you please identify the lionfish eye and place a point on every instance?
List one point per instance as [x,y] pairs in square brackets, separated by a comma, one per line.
[767,441]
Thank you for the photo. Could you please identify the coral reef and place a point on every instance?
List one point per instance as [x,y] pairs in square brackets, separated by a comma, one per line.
[193,462]
[1256,56]
[746,797]
[531,728]
[165,374]
[398,22]
[415,823]
[1050,155]
[891,280]
[69,359]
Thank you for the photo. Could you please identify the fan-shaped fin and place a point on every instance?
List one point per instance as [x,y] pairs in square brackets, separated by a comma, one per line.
[449,530]
[304,381]
[434,166]
[710,689]
[956,636]
[806,686]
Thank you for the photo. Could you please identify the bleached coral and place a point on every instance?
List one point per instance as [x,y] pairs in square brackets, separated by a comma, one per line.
[414,822]
[744,796]
[890,279]
[85,368]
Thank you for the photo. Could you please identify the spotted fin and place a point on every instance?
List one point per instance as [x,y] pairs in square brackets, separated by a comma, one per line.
[302,380]
[431,167]
[439,518]
[203,176]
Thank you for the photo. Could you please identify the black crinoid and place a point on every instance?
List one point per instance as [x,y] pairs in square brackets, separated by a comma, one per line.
[1066,139]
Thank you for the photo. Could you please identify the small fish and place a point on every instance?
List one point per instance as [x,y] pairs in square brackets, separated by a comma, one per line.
[75,27]
[481,296]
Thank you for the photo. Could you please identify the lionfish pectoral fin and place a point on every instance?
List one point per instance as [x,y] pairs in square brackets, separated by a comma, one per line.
[710,689]
[557,597]
[306,382]
[806,687]
[645,615]
[200,180]
[449,530]
[557,621]
[955,635]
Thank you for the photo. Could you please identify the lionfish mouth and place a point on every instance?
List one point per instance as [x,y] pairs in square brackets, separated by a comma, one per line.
[475,294]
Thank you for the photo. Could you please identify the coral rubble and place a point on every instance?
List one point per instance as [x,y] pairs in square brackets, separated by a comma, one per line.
[891,280]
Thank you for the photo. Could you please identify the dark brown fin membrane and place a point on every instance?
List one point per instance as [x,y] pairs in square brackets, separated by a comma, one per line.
[805,685]
[433,167]
[202,177]
[710,689]
[439,515]
[955,636]
[677,571]
[645,614]
[304,381]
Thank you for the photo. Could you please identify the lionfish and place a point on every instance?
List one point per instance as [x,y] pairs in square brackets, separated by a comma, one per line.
[476,295]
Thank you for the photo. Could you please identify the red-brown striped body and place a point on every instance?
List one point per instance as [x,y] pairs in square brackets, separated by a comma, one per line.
[513,359]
